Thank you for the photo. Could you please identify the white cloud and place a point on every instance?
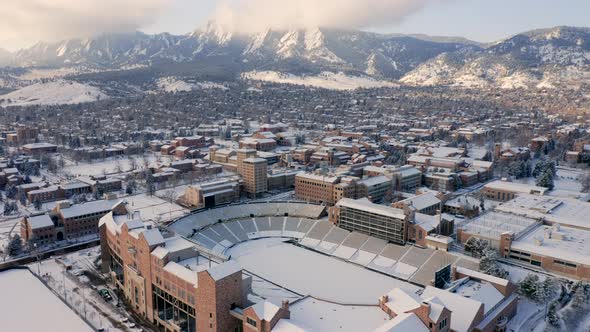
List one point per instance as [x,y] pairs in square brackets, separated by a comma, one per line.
[257,15]
[23,22]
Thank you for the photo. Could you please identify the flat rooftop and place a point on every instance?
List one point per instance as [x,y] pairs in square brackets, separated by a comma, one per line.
[565,211]
[573,245]
[493,224]
[34,301]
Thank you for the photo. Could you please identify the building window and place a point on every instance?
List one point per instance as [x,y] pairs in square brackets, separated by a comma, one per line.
[251,321]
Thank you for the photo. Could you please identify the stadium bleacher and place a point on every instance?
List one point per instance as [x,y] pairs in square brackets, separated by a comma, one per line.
[220,229]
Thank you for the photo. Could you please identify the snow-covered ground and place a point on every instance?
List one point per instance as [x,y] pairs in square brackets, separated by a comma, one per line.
[567,183]
[172,84]
[27,305]
[310,273]
[6,226]
[326,80]
[53,93]
[78,292]
[110,165]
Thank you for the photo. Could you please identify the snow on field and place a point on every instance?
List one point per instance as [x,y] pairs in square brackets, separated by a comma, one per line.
[109,165]
[526,312]
[53,93]
[309,273]
[567,183]
[172,84]
[78,291]
[6,226]
[28,305]
[41,73]
[326,80]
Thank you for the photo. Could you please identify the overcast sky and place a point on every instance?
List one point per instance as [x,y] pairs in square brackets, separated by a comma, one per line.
[24,22]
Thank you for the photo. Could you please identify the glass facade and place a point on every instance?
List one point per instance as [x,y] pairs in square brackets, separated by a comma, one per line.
[383,227]
[171,309]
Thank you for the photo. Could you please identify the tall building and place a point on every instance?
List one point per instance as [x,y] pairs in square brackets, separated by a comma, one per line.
[376,220]
[254,173]
[243,154]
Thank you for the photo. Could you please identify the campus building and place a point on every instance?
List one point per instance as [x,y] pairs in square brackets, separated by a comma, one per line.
[504,191]
[211,194]
[181,280]
[372,219]
[254,174]
[65,222]
[166,280]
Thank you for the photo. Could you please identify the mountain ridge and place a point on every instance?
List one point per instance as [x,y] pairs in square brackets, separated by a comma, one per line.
[524,60]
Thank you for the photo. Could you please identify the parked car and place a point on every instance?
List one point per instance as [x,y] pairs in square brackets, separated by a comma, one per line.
[105,294]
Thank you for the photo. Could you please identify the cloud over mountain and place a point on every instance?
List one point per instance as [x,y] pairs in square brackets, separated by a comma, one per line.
[257,15]
[22,21]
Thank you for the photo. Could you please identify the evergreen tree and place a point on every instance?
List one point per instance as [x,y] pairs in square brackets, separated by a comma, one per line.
[548,288]
[15,246]
[529,286]
[131,187]
[476,246]
[37,203]
[552,316]
[149,183]
[580,296]
[546,180]
[22,197]
[11,191]
[488,264]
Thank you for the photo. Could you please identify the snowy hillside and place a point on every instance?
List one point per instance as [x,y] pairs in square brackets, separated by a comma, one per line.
[53,93]
[326,80]
[537,59]
[172,84]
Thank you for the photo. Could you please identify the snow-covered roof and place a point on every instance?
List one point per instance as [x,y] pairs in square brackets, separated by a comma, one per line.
[223,270]
[31,296]
[493,224]
[568,244]
[265,310]
[400,301]
[375,180]
[366,205]
[515,187]
[328,179]
[41,221]
[423,201]
[182,272]
[87,208]
[464,309]
[426,221]
[312,314]
[483,292]
[403,323]
[436,308]
[153,237]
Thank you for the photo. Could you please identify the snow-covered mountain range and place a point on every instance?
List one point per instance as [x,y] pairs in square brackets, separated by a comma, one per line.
[541,58]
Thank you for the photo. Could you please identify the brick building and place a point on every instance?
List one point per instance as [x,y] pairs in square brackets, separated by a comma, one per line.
[166,280]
